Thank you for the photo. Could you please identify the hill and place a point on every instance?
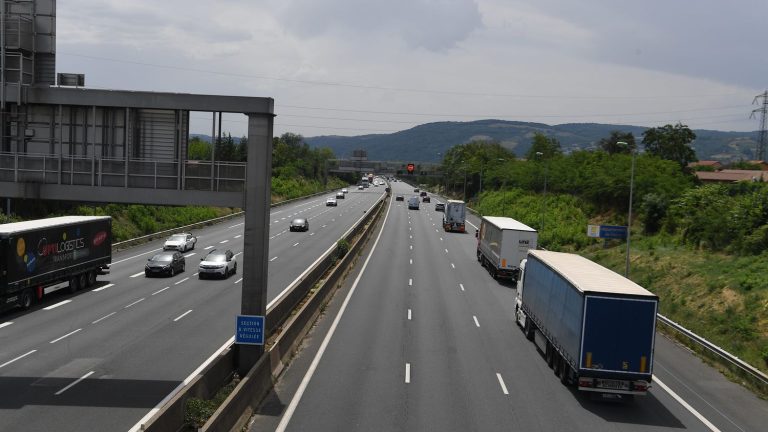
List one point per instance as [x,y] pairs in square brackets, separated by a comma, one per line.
[427,142]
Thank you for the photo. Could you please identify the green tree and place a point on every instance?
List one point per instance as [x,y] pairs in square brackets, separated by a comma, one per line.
[226,149]
[198,149]
[549,147]
[610,146]
[671,143]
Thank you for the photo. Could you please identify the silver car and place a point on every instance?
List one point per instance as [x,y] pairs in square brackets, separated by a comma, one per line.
[181,242]
[217,263]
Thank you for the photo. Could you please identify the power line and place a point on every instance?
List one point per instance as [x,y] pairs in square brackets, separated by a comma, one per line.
[386,88]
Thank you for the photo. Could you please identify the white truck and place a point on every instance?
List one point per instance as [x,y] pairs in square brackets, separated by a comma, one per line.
[502,243]
[454,216]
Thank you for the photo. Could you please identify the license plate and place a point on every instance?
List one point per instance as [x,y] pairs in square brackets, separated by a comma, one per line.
[613,384]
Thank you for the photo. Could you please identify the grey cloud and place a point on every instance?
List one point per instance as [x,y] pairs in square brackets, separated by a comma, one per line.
[703,38]
[431,24]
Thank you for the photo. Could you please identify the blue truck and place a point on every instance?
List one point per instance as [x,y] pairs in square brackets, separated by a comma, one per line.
[595,327]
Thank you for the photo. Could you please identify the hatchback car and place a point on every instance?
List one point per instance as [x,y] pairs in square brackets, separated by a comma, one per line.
[399,198]
[299,224]
[440,207]
[181,242]
[330,202]
[217,263]
[165,263]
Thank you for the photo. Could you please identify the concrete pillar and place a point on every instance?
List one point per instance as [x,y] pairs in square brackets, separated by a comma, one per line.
[255,258]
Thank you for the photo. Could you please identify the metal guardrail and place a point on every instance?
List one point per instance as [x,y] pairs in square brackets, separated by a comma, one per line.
[725,355]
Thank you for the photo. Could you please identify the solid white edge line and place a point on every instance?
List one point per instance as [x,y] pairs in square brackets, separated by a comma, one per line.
[136,302]
[103,318]
[138,426]
[477,323]
[17,358]
[501,383]
[66,335]
[103,288]
[137,274]
[54,306]
[74,383]
[407,373]
[159,291]
[685,405]
[182,315]
[6,324]
[291,408]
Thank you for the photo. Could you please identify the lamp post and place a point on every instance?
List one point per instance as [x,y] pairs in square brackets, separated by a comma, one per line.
[629,214]
[540,155]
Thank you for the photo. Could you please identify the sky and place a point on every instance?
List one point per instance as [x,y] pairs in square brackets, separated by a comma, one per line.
[356,67]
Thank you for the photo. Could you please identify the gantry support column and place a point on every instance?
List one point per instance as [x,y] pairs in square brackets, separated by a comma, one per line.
[255,262]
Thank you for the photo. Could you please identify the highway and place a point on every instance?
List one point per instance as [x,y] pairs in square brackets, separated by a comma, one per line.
[101,359]
[423,339]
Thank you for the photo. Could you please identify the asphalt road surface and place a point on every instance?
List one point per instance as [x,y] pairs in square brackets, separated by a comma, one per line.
[423,339]
[101,359]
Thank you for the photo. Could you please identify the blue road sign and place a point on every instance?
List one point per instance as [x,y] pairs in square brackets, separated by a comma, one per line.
[250,330]
[613,232]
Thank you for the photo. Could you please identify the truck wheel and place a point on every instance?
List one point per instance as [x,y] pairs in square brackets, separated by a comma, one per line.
[82,280]
[91,278]
[74,284]
[558,366]
[478,256]
[528,328]
[550,355]
[565,372]
[25,301]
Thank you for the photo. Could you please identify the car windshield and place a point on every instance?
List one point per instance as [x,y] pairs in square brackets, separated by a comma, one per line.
[162,258]
[178,237]
[217,257]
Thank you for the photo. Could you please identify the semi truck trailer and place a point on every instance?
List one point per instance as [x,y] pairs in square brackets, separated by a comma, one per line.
[502,243]
[595,327]
[454,216]
[36,255]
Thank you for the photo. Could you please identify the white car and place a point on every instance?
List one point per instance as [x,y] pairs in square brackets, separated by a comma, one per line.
[181,242]
[345,191]
[217,263]
[330,202]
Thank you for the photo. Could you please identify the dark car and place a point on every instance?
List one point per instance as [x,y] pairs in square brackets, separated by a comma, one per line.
[440,207]
[416,190]
[426,199]
[165,263]
[423,193]
[299,224]
[221,263]
[399,198]
[339,195]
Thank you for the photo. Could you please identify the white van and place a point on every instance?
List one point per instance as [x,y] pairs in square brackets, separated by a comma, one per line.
[413,203]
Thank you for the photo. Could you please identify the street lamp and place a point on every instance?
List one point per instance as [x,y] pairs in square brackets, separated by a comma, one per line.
[631,190]
[540,156]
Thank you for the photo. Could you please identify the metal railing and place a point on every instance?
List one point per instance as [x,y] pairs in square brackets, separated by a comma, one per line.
[723,354]
[119,172]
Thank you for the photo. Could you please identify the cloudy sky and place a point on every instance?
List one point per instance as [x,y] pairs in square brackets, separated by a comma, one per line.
[353,67]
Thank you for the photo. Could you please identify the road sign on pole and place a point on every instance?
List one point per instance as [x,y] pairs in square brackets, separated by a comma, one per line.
[607,231]
[250,330]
